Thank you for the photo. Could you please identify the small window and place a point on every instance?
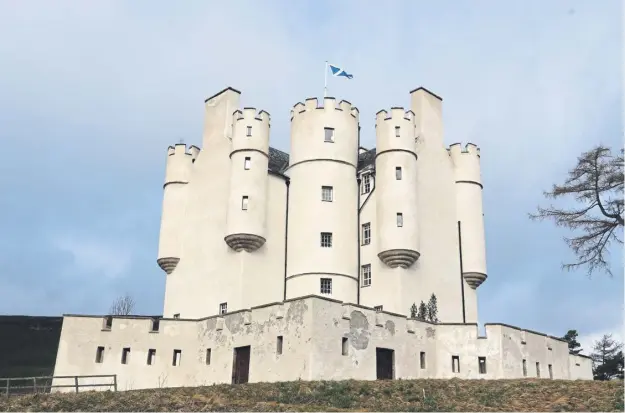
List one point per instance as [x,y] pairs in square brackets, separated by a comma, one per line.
[279,345]
[400,219]
[366,275]
[524,368]
[366,184]
[177,358]
[244,202]
[366,233]
[155,324]
[455,364]
[422,359]
[397,131]
[177,315]
[223,308]
[378,308]
[99,355]
[248,163]
[107,323]
[326,286]
[344,346]
[398,173]
[482,364]
[151,356]
[326,240]
[208,356]
[249,131]
[327,193]
[125,355]
[550,367]
[537,369]
[329,134]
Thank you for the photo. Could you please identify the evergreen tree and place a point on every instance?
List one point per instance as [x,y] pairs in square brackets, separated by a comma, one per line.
[432,309]
[414,310]
[571,338]
[607,358]
[422,314]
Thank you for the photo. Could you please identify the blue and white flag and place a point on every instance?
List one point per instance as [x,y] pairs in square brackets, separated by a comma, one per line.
[337,71]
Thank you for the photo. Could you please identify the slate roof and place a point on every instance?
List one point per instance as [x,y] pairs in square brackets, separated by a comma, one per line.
[279,161]
[366,158]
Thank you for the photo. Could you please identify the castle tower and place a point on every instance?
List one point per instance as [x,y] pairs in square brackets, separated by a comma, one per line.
[323,202]
[470,212]
[396,185]
[247,203]
[178,169]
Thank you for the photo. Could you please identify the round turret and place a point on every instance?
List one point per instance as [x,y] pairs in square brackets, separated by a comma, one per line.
[470,211]
[323,200]
[247,204]
[178,169]
[396,185]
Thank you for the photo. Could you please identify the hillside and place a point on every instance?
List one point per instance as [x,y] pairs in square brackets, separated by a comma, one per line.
[407,395]
[28,346]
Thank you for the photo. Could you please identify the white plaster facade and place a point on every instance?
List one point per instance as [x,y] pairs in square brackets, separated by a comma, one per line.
[244,225]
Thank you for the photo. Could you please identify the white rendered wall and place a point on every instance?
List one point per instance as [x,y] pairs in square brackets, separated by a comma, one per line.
[313,164]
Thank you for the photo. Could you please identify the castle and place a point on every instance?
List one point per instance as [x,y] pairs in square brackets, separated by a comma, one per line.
[306,265]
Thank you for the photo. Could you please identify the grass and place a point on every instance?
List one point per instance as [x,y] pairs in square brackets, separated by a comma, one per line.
[400,395]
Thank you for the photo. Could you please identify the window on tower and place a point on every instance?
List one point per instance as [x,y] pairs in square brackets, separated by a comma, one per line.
[244,202]
[329,135]
[366,275]
[378,308]
[366,233]
[397,131]
[398,173]
[326,239]
[223,308]
[248,162]
[366,183]
[249,131]
[327,193]
[400,219]
[326,286]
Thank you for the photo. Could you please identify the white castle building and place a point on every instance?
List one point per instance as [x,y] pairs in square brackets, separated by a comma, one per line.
[305,265]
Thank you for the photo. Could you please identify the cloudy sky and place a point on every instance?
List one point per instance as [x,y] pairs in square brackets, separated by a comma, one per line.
[92,92]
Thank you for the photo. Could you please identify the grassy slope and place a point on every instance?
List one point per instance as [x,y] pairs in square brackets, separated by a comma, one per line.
[406,395]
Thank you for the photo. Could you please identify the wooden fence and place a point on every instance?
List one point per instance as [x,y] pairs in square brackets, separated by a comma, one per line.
[27,385]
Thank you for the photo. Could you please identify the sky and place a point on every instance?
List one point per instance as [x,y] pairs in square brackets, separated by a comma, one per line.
[92,93]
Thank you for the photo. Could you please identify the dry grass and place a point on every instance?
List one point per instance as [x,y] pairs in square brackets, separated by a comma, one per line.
[401,395]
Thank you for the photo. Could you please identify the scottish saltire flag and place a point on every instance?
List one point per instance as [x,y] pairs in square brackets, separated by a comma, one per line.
[337,71]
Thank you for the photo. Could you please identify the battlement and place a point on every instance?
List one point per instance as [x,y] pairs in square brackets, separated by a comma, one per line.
[455,149]
[396,113]
[180,149]
[329,103]
[179,161]
[250,114]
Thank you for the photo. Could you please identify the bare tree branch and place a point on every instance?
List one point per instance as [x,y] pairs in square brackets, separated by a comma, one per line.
[124,305]
[596,183]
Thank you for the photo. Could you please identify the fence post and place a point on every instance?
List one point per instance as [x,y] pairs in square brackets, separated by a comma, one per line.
[76,383]
[8,386]
[115,382]
[34,384]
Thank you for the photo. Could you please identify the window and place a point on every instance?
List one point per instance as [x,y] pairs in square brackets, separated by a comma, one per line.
[398,173]
[177,315]
[208,356]
[151,356]
[538,369]
[249,131]
[378,308]
[155,324]
[550,371]
[244,202]
[482,364]
[125,355]
[247,163]
[400,219]
[366,184]
[223,308]
[397,131]
[279,345]
[99,355]
[366,275]
[326,239]
[107,323]
[422,359]
[327,193]
[326,286]
[366,233]
[329,135]
[524,368]
[344,346]
[455,364]
[177,358]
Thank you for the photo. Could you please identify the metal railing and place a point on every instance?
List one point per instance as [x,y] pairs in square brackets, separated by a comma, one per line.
[43,384]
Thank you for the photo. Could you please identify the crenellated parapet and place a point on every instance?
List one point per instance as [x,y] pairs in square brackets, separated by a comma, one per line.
[395,131]
[329,104]
[250,130]
[179,163]
[466,162]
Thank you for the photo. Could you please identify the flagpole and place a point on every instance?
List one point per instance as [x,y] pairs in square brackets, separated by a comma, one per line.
[325,82]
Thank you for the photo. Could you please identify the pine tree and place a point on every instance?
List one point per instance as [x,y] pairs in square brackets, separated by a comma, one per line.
[414,310]
[432,309]
[422,314]
[571,338]
[607,358]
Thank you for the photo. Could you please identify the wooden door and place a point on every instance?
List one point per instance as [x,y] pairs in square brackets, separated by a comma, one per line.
[385,359]
[241,365]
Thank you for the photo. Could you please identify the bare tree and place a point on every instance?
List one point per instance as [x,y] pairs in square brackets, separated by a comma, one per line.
[596,183]
[124,305]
